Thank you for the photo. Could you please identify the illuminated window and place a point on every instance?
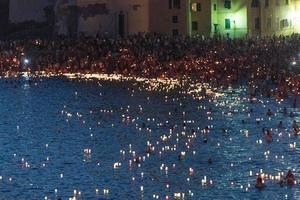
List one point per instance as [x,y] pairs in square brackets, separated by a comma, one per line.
[195,26]
[227,24]
[196,7]
[266,3]
[227,4]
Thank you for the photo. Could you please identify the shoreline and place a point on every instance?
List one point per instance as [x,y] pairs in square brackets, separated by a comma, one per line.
[188,85]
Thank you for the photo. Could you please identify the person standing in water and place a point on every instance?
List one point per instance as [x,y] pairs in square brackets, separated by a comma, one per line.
[259,182]
[290,178]
[269,136]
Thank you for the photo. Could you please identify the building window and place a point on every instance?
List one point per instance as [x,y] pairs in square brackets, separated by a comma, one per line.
[194,26]
[284,23]
[196,7]
[255,3]
[266,3]
[175,32]
[174,4]
[269,23]
[227,24]
[175,19]
[257,23]
[215,7]
[287,2]
[227,4]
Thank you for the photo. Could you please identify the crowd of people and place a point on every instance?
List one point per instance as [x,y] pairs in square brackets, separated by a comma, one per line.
[289,179]
[260,61]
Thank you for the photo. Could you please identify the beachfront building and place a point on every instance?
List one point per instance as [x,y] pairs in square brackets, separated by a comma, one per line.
[4,15]
[228,18]
[280,17]
[103,17]
[169,17]
[28,18]
[28,10]
[240,18]
[200,18]
[225,18]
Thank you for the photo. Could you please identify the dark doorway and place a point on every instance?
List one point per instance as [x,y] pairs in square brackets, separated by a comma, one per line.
[216,29]
[121,24]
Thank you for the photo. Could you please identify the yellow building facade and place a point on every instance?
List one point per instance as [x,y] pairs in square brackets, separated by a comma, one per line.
[227,18]
[244,18]
[280,17]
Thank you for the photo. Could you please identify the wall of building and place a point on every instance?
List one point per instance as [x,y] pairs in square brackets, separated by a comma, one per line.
[102,17]
[4,12]
[280,18]
[136,14]
[161,17]
[253,14]
[237,15]
[99,22]
[202,17]
[4,17]
[297,16]
[27,10]
[157,16]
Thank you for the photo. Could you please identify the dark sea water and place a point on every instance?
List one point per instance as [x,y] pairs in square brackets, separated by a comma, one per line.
[61,138]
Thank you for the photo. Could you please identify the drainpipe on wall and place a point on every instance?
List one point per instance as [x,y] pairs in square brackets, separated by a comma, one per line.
[189,19]
[234,28]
